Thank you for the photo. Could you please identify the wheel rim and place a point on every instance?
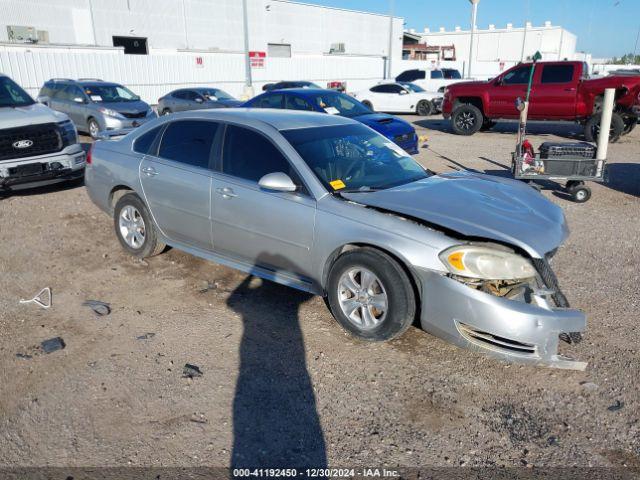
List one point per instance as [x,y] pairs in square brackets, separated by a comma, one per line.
[466,120]
[581,195]
[363,298]
[132,227]
[93,128]
[423,109]
[596,131]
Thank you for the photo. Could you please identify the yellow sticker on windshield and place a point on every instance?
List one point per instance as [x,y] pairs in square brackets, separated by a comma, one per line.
[337,184]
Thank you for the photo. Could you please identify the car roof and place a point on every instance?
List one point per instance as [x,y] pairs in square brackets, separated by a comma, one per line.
[303,91]
[276,118]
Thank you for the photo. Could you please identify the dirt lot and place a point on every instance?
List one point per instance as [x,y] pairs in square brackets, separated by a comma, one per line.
[282,384]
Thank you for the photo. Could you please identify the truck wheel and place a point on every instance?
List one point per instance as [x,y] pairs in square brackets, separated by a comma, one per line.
[630,122]
[592,128]
[135,228]
[466,119]
[424,108]
[370,295]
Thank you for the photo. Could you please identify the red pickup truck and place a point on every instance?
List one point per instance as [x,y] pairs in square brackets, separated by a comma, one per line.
[560,91]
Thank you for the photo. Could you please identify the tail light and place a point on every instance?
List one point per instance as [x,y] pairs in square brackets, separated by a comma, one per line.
[89,159]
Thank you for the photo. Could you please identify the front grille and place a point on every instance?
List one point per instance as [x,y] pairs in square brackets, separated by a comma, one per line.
[134,114]
[550,280]
[495,342]
[45,138]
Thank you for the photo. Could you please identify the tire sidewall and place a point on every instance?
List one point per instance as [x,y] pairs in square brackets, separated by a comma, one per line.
[93,120]
[150,237]
[467,108]
[400,295]
[428,108]
[617,124]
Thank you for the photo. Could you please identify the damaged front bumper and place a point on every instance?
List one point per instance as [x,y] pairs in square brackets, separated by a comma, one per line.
[508,329]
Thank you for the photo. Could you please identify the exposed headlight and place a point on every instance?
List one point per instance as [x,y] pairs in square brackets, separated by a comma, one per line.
[109,112]
[486,263]
[69,132]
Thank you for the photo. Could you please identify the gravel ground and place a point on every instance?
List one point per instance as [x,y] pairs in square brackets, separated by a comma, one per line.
[281,383]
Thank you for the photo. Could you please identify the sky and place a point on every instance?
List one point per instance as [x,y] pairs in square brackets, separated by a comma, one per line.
[605,28]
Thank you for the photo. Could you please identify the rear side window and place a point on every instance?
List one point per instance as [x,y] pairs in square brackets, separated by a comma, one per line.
[47,90]
[388,88]
[188,142]
[143,143]
[436,74]
[249,155]
[519,76]
[557,73]
[297,103]
[269,101]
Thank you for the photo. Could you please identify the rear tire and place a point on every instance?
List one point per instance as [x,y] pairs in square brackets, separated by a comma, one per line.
[166,111]
[592,128]
[135,228]
[425,108]
[579,192]
[370,295]
[466,119]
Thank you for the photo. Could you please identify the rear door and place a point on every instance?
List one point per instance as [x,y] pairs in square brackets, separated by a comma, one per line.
[273,230]
[504,91]
[176,180]
[554,94]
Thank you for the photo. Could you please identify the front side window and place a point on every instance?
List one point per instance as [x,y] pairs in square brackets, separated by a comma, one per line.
[519,76]
[249,155]
[436,74]
[451,73]
[110,93]
[557,74]
[12,95]
[297,103]
[353,158]
[269,101]
[413,87]
[214,94]
[188,142]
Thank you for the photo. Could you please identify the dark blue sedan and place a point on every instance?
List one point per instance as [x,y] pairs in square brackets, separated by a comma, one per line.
[336,103]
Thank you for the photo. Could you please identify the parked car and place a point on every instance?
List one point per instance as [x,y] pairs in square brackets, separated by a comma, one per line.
[37,145]
[195,99]
[561,91]
[325,204]
[337,103]
[400,98]
[289,84]
[95,105]
[434,80]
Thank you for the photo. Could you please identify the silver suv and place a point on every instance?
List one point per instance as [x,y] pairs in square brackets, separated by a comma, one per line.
[37,145]
[95,105]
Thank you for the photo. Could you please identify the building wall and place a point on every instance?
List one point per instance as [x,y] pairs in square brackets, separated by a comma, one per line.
[205,24]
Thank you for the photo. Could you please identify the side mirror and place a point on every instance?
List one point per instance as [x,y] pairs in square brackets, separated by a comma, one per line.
[278,182]
[199,99]
[43,100]
[79,100]
[403,92]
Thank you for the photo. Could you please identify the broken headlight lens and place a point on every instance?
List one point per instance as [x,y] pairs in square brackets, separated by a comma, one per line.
[486,263]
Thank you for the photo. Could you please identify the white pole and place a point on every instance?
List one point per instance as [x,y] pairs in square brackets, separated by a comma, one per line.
[605,123]
[93,23]
[391,5]
[474,14]
[248,87]
[524,42]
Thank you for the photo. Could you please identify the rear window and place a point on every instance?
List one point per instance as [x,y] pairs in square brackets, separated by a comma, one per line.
[143,143]
[557,73]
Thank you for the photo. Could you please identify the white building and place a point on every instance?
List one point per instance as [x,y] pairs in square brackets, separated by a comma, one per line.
[186,42]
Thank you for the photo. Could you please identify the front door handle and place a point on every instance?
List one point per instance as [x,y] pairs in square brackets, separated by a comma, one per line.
[569,89]
[226,192]
[149,171]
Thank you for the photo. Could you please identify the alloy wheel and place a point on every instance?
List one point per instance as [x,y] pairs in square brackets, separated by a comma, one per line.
[363,298]
[132,226]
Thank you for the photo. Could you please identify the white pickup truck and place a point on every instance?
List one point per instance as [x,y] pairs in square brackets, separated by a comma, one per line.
[38,146]
[435,80]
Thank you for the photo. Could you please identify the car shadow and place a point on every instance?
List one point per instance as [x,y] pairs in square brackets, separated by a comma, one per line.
[275,421]
[560,129]
[624,177]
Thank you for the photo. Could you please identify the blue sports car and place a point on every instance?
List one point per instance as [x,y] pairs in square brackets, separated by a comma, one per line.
[336,103]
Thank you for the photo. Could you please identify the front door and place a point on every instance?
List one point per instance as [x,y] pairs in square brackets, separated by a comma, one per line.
[504,92]
[273,230]
[177,182]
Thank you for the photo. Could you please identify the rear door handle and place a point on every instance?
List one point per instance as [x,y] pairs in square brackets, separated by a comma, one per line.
[569,89]
[149,171]
[226,192]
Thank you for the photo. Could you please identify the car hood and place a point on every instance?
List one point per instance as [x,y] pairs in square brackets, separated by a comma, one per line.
[29,115]
[388,125]
[126,107]
[477,205]
[227,103]
[471,83]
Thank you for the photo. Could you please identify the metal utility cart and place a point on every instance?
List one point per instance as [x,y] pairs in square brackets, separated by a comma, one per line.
[573,163]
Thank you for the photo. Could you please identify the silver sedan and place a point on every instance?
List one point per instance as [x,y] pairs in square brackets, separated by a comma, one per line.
[327,205]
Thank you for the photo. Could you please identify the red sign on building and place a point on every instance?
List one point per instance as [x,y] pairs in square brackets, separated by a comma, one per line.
[256,59]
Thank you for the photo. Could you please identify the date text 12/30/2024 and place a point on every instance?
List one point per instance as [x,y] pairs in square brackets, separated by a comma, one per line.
[315,472]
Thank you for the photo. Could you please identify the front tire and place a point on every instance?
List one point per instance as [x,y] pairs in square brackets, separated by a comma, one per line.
[466,119]
[166,111]
[93,127]
[592,128]
[370,295]
[424,108]
[135,228]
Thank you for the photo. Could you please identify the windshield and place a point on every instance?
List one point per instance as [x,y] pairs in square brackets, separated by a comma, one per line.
[11,95]
[413,87]
[110,93]
[436,74]
[214,93]
[338,104]
[354,158]
[451,73]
